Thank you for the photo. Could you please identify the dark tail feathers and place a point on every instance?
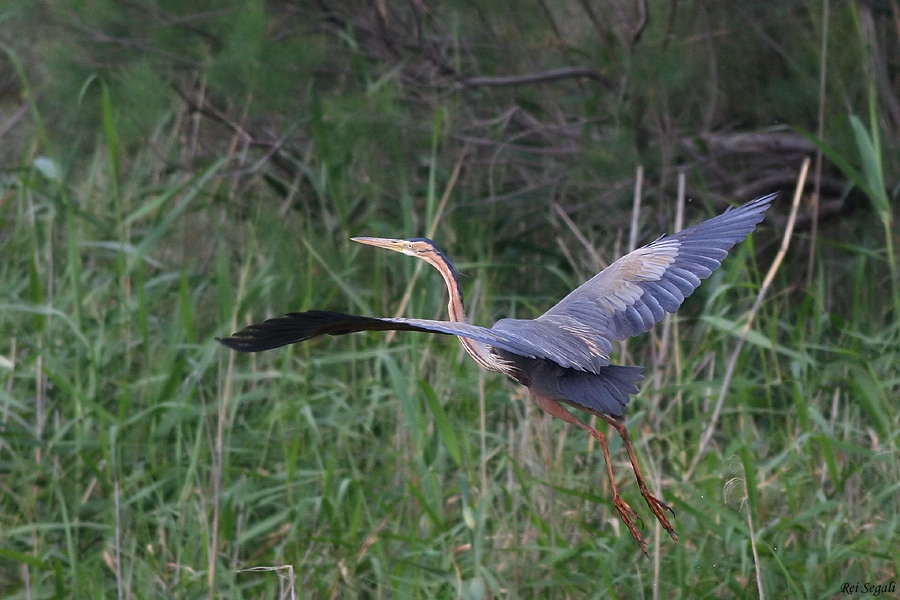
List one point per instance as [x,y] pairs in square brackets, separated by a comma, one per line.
[607,392]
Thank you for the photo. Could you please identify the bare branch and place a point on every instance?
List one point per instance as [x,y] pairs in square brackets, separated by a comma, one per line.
[564,73]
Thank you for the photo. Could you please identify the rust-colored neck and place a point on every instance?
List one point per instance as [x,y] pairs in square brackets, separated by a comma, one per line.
[477,350]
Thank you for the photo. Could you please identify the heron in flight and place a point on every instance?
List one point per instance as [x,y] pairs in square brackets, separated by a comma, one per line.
[563,356]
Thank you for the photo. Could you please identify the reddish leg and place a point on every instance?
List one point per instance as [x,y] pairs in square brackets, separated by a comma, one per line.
[656,505]
[625,511]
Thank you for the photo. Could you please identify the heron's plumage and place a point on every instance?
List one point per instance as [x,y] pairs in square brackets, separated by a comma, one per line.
[563,355]
[625,299]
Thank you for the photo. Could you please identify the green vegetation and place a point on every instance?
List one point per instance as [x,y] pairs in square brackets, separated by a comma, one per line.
[174,170]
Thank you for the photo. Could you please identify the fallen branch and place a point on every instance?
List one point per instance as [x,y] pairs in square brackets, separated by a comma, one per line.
[541,77]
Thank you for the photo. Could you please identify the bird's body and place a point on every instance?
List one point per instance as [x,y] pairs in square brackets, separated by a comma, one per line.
[563,356]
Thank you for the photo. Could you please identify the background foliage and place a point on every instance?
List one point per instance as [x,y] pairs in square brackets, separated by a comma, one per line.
[174,170]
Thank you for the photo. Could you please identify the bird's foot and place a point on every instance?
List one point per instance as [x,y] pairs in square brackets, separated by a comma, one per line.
[628,516]
[658,507]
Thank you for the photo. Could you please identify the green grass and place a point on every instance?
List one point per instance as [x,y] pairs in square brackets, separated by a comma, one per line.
[141,459]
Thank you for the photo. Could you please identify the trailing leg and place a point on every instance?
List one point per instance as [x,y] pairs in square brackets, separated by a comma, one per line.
[627,514]
[657,506]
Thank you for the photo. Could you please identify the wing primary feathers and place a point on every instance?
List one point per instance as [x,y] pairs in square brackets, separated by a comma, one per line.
[636,291]
[298,327]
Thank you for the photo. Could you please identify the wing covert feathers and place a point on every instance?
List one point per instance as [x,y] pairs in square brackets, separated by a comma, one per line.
[637,290]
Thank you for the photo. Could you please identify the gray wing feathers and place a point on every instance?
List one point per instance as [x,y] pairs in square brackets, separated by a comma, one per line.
[565,340]
[637,290]
[300,326]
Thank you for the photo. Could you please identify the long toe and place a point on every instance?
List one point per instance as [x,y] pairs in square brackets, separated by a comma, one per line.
[659,509]
[628,516]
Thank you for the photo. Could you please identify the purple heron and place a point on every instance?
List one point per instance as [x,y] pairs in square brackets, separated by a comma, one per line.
[562,356]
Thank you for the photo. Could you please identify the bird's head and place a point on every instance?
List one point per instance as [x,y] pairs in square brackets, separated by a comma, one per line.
[419,247]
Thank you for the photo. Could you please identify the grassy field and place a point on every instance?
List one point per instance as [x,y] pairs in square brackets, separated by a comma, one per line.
[141,459]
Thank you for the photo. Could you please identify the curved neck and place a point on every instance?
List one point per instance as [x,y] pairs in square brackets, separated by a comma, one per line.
[455,306]
[477,350]
[451,280]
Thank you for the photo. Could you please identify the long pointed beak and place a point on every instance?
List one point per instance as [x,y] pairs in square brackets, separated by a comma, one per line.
[387,243]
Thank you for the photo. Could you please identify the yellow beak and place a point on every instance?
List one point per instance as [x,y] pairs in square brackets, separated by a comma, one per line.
[388,243]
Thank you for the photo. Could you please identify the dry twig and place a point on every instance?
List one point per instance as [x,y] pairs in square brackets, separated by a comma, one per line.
[732,361]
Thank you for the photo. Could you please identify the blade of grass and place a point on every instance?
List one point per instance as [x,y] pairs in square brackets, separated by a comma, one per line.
[751,499]
[441,422]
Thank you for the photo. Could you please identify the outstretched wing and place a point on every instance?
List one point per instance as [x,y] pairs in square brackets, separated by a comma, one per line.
[301,326]
[637,290]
